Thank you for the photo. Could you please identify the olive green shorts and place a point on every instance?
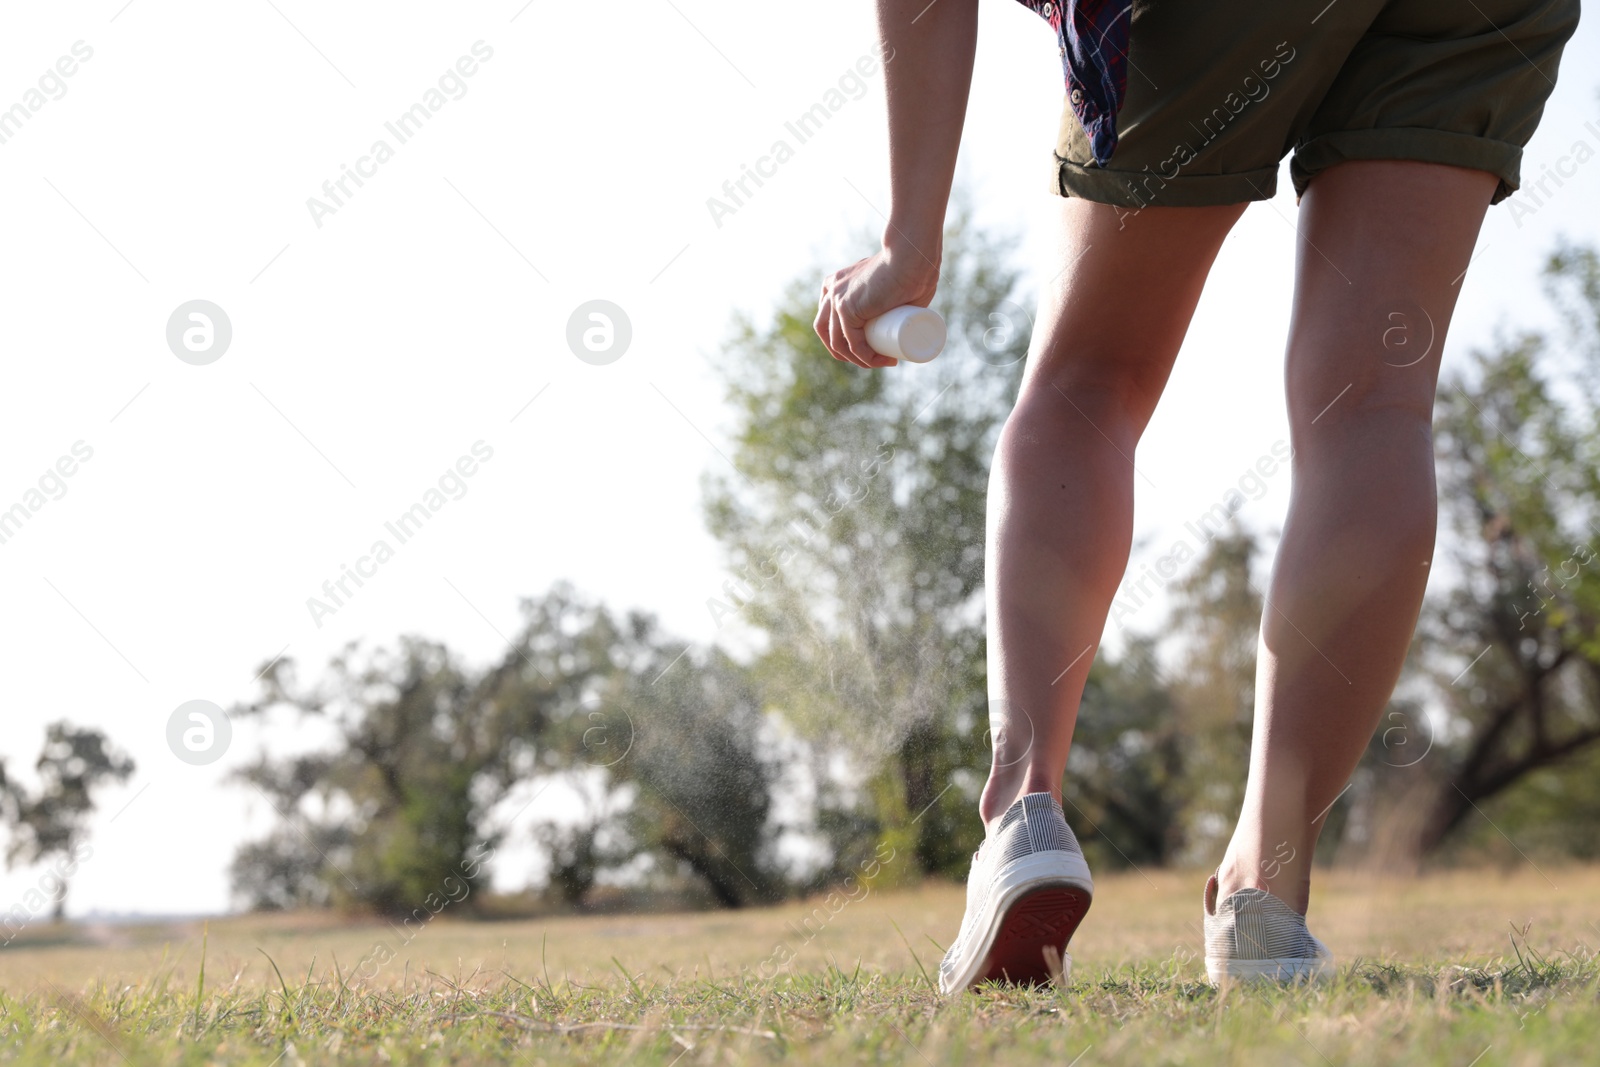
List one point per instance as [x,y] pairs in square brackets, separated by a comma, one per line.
[1218,93]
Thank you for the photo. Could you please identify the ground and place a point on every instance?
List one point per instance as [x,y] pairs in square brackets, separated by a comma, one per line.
[1465,969]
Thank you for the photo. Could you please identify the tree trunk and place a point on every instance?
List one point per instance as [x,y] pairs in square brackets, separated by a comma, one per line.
[917,776]
[722,888]
[1450,805]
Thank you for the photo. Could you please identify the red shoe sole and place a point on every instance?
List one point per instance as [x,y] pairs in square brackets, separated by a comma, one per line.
[1036,925]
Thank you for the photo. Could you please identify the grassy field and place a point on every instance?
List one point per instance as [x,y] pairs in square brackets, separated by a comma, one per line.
[1464,969]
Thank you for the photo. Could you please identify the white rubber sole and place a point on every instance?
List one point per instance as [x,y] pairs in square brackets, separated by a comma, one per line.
[1286,969]
[1056,869]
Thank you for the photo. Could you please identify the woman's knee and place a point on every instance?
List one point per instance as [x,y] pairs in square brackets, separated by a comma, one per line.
[1362,406]
[1347,372]
[1117,392]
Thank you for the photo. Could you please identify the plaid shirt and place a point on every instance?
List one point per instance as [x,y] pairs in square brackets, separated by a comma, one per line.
[1093,38]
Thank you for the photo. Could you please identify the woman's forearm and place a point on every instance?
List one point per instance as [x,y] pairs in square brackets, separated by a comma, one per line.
[929,48]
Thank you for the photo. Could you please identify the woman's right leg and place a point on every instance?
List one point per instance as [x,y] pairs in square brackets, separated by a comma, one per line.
[1385,246]
[1060,511]
[1060,518]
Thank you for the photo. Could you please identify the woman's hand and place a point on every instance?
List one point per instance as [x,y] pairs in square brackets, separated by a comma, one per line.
[865,290]
[927,52]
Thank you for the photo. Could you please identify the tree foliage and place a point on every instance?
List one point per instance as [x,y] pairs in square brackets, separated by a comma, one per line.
[422,748]
[1514,646]
[704,773]
[854,530]
[51,821]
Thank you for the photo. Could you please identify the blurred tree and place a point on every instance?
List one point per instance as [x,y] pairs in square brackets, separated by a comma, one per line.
[854,527]
[704,777]
[1217,608]
[576,855]
[1514,646]
[290,867]
[1123,787]
[423,750]
[52,821]
[1160,754]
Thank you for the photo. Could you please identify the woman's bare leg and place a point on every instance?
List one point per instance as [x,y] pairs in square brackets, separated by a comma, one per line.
[1384,246]
[1060,514]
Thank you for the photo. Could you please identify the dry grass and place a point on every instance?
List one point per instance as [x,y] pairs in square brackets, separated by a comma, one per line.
[1430,973]
[1454,917]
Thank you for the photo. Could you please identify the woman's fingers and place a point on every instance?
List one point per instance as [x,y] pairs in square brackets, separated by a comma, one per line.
[831,325]
[855,335]
[838,343]
[823,324]
[850,297]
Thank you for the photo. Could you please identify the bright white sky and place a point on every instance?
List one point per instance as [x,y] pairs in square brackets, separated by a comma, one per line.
[421,317]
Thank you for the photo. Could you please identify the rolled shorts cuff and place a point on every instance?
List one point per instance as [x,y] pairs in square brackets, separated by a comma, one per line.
[1418,144]
[1146,188]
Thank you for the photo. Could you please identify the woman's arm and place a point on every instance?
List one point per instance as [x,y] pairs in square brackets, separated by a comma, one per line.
[927,81]
[928,51]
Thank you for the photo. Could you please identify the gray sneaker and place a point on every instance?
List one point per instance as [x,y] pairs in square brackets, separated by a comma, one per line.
[1255,935]
[1026,893]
